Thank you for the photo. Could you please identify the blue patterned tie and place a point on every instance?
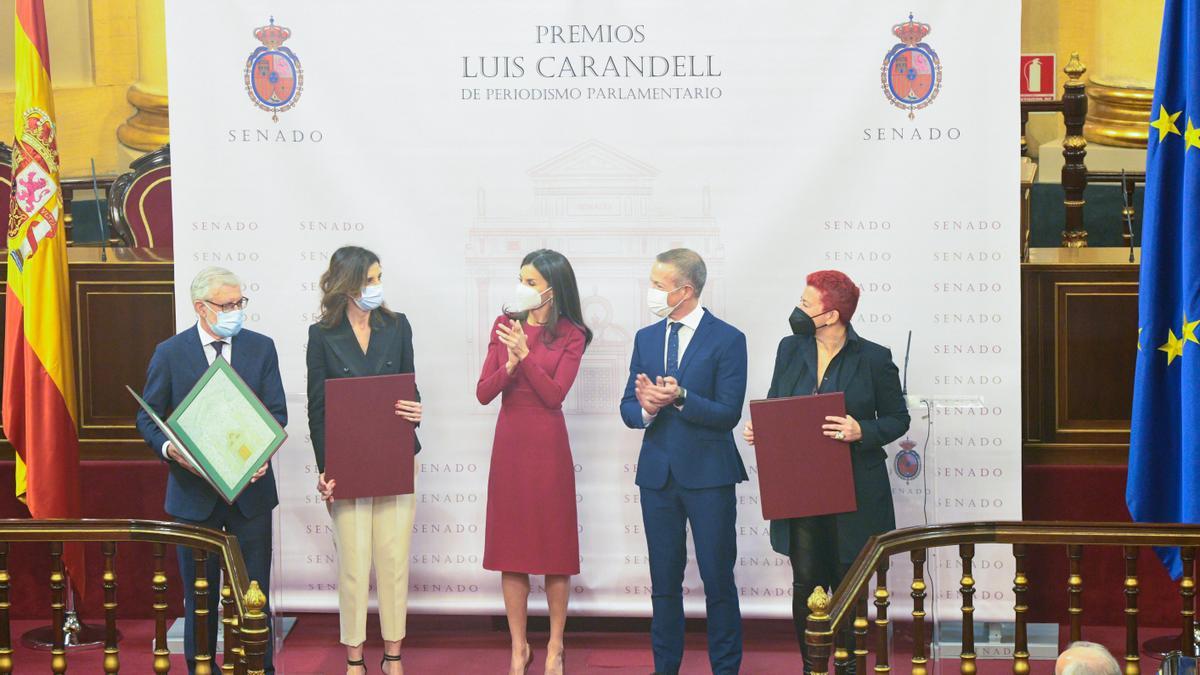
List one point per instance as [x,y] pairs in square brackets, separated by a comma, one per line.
[673,350]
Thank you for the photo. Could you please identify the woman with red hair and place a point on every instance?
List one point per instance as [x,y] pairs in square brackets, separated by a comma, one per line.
[823,355]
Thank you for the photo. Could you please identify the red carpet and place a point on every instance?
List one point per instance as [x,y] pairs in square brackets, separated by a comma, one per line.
[454,645]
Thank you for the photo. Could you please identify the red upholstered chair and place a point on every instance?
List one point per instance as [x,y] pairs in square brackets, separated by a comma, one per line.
[139,201]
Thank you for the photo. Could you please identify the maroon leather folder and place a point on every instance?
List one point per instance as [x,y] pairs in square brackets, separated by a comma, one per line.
[368,447]
[801,471]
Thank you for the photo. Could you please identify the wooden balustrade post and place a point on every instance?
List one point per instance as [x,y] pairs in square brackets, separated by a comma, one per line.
[254,630]
[818,634]
[1075,592]
[919,658]
[200,613]
[1074,172]
[162,655]
[966,657]
[860,634]
[841,651]
[1021,637]
[229,627]
[1132,649]
[6,651]
[58,609]
[112,658]
[1187,590]
[882,600]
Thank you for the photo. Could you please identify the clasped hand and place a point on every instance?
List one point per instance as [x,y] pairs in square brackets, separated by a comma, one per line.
[654,395]
[325,487]
[409,410]
[513,337]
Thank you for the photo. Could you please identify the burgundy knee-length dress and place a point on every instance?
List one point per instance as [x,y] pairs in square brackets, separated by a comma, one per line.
[532,525]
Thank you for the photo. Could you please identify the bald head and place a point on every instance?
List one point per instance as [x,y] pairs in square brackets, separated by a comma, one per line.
[1086,658]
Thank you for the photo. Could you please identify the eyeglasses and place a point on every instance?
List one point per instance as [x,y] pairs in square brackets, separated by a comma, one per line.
[230,306]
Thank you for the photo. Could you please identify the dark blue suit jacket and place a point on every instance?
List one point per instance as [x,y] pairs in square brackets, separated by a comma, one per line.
[176,366]
[694,445]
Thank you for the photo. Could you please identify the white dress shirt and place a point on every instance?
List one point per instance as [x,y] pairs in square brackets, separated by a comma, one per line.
[687,329]
[210,355]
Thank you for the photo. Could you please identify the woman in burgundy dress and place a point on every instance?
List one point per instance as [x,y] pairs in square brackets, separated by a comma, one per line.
[532,528]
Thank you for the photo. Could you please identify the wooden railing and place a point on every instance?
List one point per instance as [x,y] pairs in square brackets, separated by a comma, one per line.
[242,601]
[848,606]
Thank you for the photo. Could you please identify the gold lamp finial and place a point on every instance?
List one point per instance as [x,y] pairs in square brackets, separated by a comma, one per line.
[255,600]
[1074,68]
[818,602]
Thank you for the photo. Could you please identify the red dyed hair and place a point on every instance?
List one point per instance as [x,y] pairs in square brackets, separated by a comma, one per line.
[837,292]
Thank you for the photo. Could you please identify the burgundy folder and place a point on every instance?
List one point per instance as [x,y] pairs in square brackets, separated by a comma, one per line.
[368,447]
[801,471]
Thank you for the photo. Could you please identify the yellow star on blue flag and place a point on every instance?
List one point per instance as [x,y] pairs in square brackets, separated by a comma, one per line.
[1189,329]
[1173,347]
[1191,137]
[1165,122]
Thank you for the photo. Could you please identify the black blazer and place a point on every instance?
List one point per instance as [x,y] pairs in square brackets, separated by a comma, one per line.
[334,353]
[871,383]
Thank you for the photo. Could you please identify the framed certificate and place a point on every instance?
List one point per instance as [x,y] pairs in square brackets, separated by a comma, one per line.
[222,429]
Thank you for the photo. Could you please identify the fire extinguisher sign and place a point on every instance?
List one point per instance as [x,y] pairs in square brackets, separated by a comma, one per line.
[1038,73]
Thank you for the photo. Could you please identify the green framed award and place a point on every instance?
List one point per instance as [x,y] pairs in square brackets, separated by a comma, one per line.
[222,429]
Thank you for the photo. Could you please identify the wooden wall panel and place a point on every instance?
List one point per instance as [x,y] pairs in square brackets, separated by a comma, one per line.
[119,323]
[1079,335]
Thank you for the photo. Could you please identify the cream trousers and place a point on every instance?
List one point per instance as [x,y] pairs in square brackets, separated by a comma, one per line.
[373,530]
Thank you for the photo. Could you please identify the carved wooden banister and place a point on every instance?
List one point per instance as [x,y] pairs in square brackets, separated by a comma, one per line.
[868,574]
[242,602]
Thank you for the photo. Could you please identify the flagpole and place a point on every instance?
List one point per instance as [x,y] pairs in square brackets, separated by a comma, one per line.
[77,636]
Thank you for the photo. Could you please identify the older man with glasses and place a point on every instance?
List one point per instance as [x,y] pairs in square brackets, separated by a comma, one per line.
[174,369]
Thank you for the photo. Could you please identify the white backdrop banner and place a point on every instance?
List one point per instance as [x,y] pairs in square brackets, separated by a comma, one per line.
[773,137]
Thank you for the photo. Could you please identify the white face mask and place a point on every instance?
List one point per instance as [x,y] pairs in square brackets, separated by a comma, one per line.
[525,298]
[656,301]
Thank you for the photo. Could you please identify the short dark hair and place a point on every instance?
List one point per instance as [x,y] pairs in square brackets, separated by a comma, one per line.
[688,264]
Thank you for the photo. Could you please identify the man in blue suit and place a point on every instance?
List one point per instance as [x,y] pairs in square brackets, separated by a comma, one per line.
[174,369]
[687,382]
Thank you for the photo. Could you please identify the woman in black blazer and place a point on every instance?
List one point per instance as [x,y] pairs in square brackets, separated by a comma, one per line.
[824,354]
[358,336]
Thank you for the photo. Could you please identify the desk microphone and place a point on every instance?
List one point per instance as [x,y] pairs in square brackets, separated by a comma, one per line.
[907,351]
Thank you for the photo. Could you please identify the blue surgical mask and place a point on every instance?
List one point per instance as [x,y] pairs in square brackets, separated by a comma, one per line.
[371,298]
[228,324]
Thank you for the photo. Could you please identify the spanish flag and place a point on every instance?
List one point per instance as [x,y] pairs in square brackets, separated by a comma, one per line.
[39,404]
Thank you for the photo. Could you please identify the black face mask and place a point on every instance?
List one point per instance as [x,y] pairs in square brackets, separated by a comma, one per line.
[803,324]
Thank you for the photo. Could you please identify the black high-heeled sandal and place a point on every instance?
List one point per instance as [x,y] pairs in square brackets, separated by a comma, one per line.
[359,662]
[389,657]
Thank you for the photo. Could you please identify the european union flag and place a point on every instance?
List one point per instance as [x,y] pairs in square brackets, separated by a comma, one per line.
[1164,446]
